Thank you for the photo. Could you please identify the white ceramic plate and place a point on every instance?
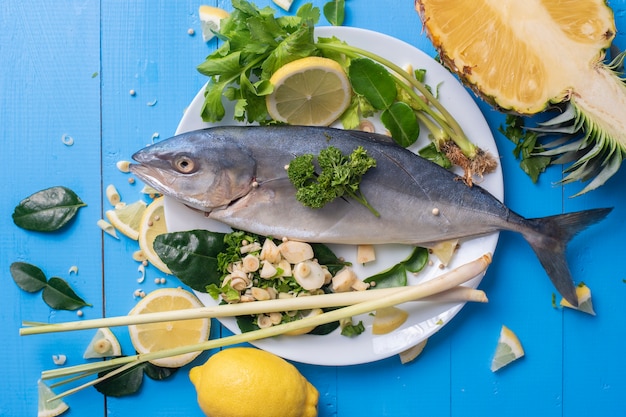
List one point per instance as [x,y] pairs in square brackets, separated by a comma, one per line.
[425,318]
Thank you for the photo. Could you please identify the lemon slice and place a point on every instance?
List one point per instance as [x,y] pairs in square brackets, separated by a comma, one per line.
[151,225]
[210,18]
[388,319]
[508,349]
[49,408]
[103,344]
[154,337]
[584,300]
[312,91]
[126,218]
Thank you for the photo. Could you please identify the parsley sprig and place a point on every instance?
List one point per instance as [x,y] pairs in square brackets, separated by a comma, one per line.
[339,176]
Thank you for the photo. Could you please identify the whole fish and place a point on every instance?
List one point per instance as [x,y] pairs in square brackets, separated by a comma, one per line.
[237,175]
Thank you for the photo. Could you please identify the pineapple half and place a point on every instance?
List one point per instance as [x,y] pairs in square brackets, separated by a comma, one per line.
[525,56]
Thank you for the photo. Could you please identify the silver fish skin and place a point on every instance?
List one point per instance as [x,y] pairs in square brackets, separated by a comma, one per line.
[237,175]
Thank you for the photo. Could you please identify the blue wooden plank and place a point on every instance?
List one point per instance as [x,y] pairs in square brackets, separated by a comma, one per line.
[50,87]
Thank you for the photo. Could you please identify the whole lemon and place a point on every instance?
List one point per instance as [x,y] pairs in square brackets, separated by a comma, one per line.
[249,382]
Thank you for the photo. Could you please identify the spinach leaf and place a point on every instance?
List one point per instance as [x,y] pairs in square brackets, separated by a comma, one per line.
[47,210]
[59,295]
[28,277]
[192,256]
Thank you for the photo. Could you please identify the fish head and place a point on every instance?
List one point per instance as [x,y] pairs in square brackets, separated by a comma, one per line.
[198,169]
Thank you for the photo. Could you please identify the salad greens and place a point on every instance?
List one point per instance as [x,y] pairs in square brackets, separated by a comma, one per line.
[339,176]
[255,44]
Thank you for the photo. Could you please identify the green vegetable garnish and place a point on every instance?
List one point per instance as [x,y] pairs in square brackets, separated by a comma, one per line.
[527,147]
[256,44]
[339,176]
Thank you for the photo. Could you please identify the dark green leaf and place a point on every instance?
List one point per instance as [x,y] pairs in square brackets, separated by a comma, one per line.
[417,260]
[246,324]
[402,123]
[124,383]
[60,296]
[325,256]
[28,277]
[334,12]
[392,277]
[324,329]
[192,256]
[158,373]
[47,210]
[373,81]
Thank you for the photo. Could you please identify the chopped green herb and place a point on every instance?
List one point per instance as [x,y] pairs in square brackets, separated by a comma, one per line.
[352,330]
[339,176]
[526,148]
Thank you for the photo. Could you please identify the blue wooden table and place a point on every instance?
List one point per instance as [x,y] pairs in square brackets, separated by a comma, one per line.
[66,68]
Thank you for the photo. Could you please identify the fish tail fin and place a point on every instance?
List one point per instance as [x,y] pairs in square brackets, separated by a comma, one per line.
[549,238]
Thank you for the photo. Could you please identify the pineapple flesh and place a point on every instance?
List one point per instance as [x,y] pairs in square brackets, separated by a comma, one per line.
[526,56]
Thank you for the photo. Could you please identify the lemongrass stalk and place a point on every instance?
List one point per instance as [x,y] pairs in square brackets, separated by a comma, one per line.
[240,309]
[437,285]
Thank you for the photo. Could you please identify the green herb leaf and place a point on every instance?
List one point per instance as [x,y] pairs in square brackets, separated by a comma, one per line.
[417,260]
[60,296]
[324,329]
[334,12]
[47,210]
[402,123]
[158,373]
[28,277]
[395,276]
[433,154]
[124,383]
[192,256]
[373,81]
[526,147]
[353,330]
[325,256]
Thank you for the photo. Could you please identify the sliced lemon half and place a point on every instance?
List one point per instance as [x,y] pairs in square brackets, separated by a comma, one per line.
[312,91]
[154,337]
[151,225]
[210,20]
[508,349]
[126,218]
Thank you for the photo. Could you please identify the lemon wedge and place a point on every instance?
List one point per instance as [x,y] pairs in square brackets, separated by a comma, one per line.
[103,344]
[311,91]
[126,218]
[584,300]
[49,408]
[388,319]
[508,349]
[210,19]
[151,225]
[154,337]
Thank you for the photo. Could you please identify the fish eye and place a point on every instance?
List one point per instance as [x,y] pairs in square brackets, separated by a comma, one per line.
[184,164]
